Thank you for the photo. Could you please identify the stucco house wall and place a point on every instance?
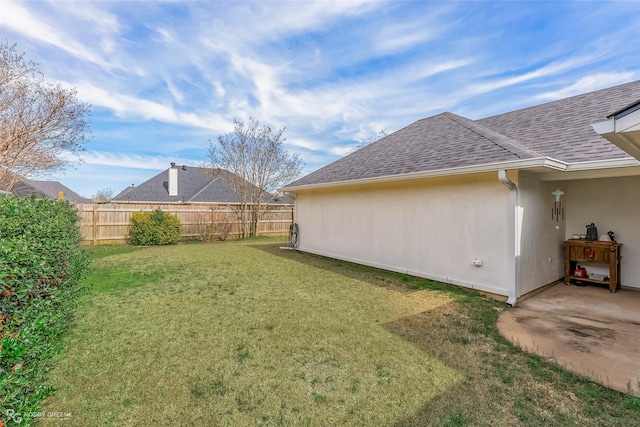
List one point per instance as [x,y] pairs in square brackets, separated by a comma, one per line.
[430,228]
[456,189]
[612,204]
[540,258]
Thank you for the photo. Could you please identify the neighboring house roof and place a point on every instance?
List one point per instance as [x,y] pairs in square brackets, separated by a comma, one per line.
[125,191]
[195,185]
[48,189]
[559,130]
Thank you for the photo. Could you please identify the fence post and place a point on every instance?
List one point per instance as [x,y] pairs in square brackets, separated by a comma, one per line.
[95,225]
[213,224]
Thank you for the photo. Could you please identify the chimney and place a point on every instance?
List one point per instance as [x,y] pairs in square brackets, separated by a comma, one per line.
[173,180]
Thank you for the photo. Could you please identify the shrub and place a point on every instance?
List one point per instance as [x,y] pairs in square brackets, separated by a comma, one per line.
[223,229]
[202,230]
[41,269]
[155,228]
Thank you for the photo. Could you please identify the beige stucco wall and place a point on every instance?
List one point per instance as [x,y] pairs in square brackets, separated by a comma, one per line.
[612,204]
[540,259]
[430,228]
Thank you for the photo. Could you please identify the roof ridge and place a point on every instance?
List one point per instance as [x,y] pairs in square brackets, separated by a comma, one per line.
[207,185]
[496,138]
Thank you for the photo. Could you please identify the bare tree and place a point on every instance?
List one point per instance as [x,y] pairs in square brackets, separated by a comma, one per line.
[253,162]
[381,134]
[103,196]
[40,122]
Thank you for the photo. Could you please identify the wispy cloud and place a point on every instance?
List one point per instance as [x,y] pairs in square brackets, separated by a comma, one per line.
[544,71]
[135,161]
[589,84]
[126,106]
[23,21]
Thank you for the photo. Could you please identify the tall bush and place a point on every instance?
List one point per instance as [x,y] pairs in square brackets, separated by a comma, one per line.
[42,265]
[155,228]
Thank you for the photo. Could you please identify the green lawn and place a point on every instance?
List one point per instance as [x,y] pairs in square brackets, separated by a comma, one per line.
[245,334]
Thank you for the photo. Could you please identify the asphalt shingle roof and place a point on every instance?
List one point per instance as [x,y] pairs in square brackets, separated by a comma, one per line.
[48,189]
[562,129]
[559,129]
[198,185]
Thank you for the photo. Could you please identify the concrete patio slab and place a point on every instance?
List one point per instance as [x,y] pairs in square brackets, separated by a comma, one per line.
[587,330]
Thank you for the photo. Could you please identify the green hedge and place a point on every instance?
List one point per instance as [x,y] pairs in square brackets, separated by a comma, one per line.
[155,228]
[42,265]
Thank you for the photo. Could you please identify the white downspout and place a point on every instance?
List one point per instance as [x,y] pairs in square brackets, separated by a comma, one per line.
[512,272]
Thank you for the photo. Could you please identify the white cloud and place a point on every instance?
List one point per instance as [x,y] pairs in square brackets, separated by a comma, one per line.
[307,144]
[108,45]
[100,20]
[219,89]
[273,20]
[588,84]
[546,71]
[175,91]
[23,21]
[394,36]
[421,71]
[341,151]
[133,161]
[129,106]
[346,105]
[165,35]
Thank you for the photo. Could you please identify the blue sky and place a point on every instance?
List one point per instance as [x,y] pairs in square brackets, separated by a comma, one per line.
[165,78]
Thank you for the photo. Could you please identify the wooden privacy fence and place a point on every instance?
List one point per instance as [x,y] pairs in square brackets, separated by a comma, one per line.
[106,224]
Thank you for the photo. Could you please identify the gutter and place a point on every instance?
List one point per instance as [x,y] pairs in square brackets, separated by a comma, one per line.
[513,236]
[609,168]
[624,162]
[546,162]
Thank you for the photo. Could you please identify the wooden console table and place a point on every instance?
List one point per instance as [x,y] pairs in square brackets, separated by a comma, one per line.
[577,251]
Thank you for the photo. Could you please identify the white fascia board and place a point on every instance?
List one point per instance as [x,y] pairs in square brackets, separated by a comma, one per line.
[623,132]
[628,123]
[603,164]
[552,163]
[595,169]
[537,162]
[604,127]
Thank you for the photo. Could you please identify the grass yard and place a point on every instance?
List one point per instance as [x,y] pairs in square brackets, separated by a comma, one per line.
[244,334]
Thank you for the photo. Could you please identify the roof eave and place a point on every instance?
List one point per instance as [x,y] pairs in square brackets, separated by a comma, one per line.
[623,131]
[538,162]
[603,164]
[610,168]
